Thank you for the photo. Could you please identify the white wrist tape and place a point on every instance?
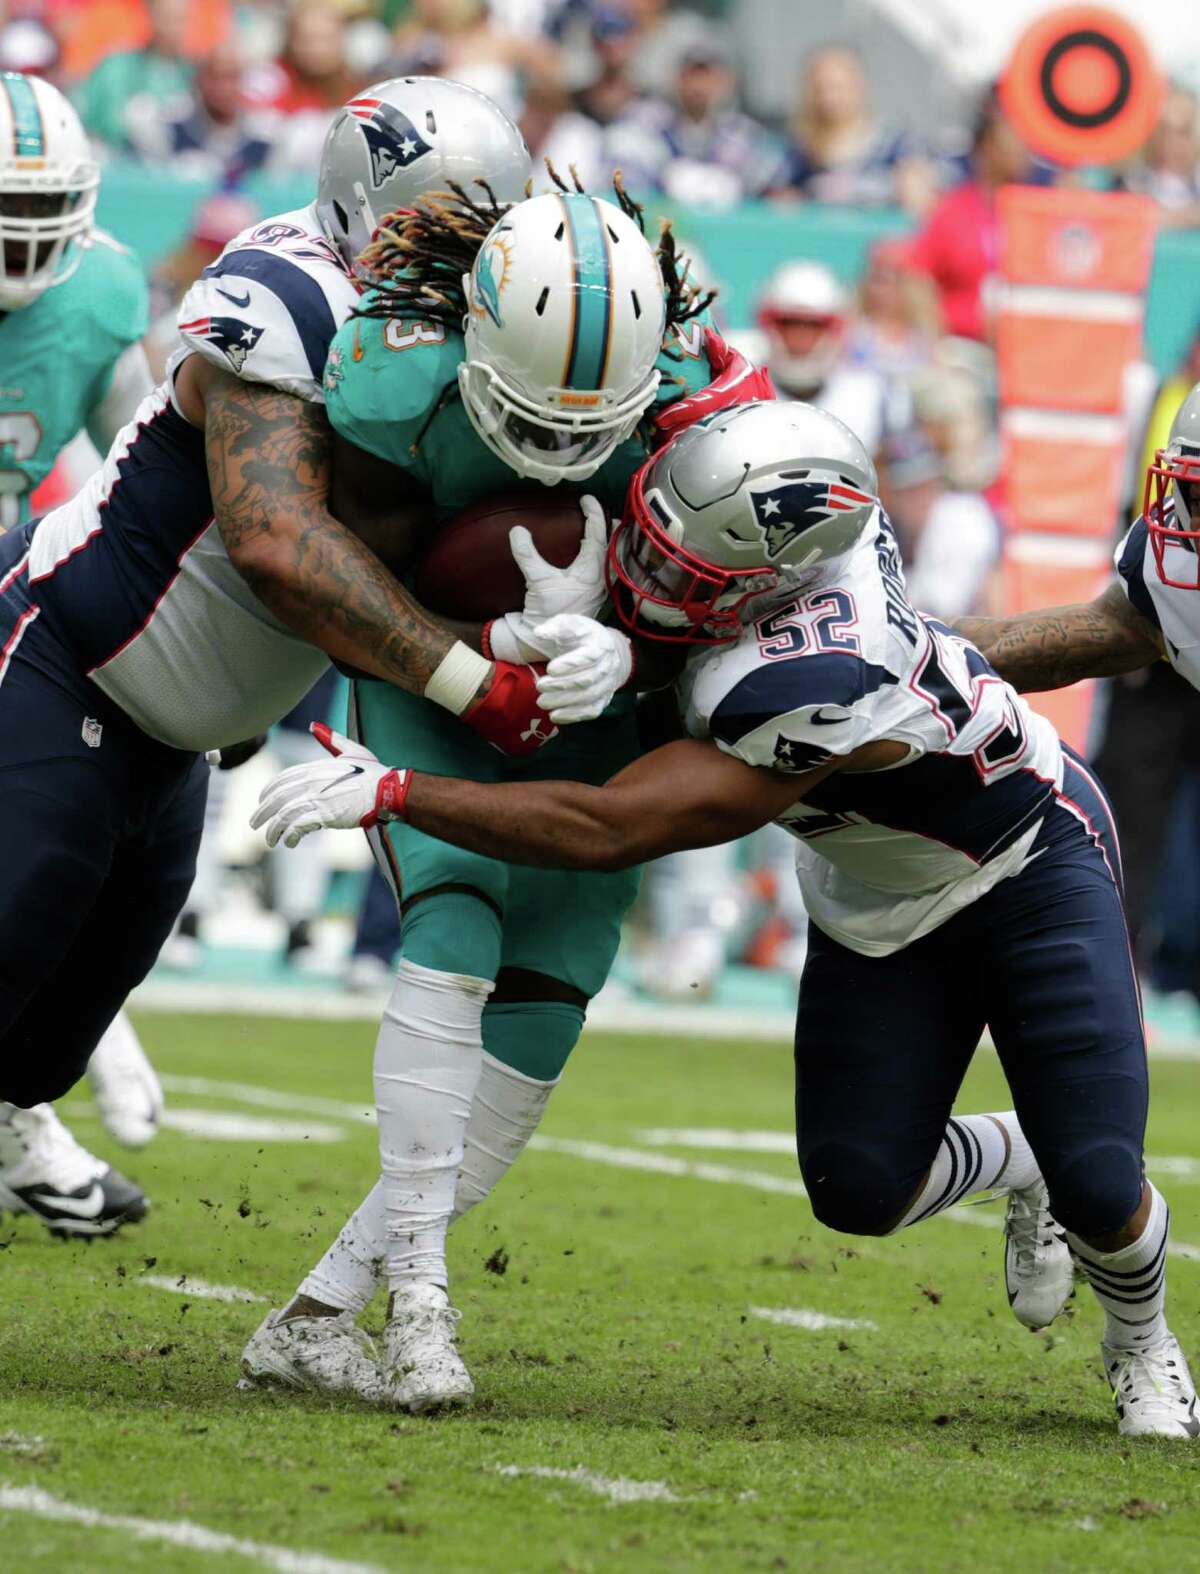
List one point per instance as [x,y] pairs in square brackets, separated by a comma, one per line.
[458,678]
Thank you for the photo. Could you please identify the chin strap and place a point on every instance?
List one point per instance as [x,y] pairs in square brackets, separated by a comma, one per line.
[735,380]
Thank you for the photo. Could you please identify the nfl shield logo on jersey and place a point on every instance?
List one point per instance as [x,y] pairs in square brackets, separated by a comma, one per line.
[394,142]
[92,731]
[234,338]
[788,510]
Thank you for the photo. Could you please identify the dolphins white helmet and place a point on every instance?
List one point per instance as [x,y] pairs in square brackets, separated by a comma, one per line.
[1171,505]
[749,501]
[48,186]
[566,312]
[803,312]
[400,139]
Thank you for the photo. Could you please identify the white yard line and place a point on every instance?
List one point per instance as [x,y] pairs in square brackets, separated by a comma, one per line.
[756,1180]
[617,1489]
[224,1125]
[183,1284]
[274,1098]
[611,1012]
[801,1317]
[665,1164]
[175,1532]
[730,1140]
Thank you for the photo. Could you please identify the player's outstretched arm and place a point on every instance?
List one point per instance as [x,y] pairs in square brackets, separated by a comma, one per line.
[269,462]
[1053,648]
[685,794]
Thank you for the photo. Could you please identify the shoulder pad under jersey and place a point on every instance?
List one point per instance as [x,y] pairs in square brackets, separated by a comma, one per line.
[268,308]
[385,377]
[796,713]
[110,288]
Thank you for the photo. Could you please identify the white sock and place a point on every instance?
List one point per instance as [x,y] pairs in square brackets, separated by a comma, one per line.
[505,1113]
[352,1269]
[1131,1284]
[427,1060]
[976,1153]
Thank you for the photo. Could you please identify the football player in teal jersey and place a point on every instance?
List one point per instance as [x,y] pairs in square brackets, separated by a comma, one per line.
[73,310]
[547,342]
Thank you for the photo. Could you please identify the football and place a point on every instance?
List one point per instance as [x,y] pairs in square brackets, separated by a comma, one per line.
[469,570]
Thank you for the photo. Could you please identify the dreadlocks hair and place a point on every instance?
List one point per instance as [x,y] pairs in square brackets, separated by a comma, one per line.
[416,262]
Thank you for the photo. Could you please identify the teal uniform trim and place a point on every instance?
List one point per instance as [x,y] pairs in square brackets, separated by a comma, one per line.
[591,327]
[28,138]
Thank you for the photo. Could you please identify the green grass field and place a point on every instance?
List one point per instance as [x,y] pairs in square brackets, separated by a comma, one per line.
[618,1344]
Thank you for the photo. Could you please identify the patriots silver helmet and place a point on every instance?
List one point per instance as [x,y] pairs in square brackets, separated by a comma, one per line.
[400,139]
[748,502]
[1171,504]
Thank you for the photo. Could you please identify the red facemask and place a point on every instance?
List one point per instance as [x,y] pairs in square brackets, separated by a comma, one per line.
[1158,510]
[647,569]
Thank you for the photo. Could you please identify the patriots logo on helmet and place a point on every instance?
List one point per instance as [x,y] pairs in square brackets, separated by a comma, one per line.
[234,338]
[787,511]
[392,139]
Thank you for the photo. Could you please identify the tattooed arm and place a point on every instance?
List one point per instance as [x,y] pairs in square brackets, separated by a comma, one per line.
[1053,648]
[269,463]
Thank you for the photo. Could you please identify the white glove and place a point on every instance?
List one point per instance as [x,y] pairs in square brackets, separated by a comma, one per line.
[579,588]
[589,664]
[350,792]
[128,1094]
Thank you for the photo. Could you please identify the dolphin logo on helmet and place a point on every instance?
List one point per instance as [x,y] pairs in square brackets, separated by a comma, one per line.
[392,139]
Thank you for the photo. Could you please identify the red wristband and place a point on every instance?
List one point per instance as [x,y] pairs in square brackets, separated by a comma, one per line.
[509,715]
[391,796]
[485,639]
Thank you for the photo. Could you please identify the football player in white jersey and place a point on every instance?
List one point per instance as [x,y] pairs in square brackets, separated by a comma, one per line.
[73,306]
[199,583]
[960,867]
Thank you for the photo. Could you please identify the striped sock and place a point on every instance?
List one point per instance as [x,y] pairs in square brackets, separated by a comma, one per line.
[975,1153]
[1131,1284]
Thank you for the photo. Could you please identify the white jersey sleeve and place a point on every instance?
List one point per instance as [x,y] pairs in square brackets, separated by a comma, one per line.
[886,855]
[1174,610]
[269,306]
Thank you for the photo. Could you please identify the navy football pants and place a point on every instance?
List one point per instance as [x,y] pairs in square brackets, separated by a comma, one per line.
[97,853]
[883,1043]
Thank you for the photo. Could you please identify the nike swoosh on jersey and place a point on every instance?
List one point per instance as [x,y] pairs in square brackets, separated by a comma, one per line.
[80,1207]
[826,721]
[238,300]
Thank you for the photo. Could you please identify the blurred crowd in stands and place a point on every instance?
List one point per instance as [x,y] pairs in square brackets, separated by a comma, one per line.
[221,90]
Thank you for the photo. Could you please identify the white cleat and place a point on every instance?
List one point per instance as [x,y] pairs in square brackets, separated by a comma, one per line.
[324,1355]
[59,1182]
[1153,1390]
[1038,1272]
[422,1369]
[125,1086]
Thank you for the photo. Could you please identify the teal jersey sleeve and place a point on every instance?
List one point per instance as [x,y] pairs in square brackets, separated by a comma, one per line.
[118,304]
[385,378]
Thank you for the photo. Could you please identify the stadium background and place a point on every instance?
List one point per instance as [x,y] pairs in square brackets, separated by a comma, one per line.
[677,1368]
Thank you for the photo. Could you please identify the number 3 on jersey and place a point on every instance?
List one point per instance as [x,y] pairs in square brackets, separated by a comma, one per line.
[20,434]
